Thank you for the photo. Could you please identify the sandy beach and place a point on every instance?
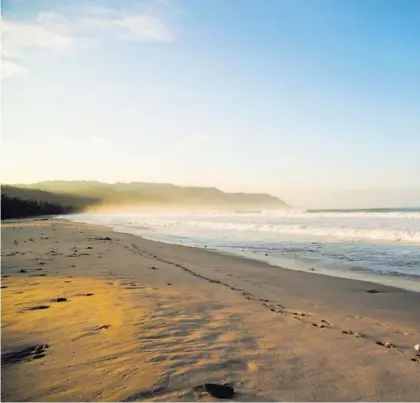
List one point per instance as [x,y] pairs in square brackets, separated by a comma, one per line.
[93,315]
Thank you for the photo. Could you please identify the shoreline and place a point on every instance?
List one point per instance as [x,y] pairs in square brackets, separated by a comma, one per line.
[163,318]
[403,282]
[368,277]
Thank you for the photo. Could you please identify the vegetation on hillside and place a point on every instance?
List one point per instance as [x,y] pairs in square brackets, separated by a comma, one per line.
[18,203]
[62,197]
[13,207]
[136,193]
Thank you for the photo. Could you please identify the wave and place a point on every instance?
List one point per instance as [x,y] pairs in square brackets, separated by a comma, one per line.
[396,226]
[368,210]
[351,233]
[409,213]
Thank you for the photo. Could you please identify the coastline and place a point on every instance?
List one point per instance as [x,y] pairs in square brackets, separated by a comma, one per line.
[381,261]
[179,316]
[408,283]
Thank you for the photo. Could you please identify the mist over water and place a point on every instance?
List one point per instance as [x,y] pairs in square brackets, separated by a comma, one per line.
[380,245]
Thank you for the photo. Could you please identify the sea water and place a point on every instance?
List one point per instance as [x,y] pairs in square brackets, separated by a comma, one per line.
[379,245]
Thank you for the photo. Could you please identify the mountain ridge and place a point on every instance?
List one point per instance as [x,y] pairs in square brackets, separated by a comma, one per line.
[143,193]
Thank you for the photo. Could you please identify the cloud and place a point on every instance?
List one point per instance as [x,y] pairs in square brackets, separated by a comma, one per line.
[141,25]
[58,34]
[141,28]
[10,69]
[18,37]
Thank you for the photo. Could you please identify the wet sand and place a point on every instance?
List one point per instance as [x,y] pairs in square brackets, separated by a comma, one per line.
[93,315]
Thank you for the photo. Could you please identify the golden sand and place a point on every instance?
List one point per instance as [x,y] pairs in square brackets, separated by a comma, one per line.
[163,319]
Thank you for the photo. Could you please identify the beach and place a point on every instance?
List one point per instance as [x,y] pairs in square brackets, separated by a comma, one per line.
[89,314]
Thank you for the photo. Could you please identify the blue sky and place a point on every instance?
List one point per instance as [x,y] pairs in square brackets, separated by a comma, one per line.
[316,101]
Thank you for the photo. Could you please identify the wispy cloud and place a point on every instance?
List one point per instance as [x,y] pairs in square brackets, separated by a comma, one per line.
[141,28]
[43,33]
[140,25]
[57,34]
[20,35]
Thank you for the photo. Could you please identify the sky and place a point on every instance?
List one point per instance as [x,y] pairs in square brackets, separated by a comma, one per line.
[314,101]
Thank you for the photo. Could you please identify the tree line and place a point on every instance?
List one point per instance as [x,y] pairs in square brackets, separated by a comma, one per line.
[14,207]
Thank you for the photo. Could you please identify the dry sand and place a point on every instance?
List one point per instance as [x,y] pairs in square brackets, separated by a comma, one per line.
[163,319]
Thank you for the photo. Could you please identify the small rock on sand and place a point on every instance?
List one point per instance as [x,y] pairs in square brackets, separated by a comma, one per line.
[218,391]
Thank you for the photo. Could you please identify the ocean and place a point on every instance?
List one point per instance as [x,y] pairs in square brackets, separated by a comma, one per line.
[378,245]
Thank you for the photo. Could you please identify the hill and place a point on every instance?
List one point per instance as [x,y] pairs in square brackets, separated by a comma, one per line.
[140,193]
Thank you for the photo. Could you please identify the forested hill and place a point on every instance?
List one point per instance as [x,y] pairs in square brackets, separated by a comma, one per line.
[62,197]
[157,193]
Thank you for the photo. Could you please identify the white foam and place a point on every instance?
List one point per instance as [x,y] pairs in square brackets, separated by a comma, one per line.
[343,232]
[364,226]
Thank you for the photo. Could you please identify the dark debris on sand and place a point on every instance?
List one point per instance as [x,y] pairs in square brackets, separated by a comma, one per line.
[216,390]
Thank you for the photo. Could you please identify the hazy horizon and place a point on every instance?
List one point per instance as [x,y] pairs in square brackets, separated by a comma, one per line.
[329,199]
[317,103]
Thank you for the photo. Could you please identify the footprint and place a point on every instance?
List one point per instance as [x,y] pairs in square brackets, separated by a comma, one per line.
[28,353]
[318,325]
[326,322]
[103,327]
[373,291]
[361,335]
[60,299]
[415,359]
[36,308]
[386,344]
[350,332]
